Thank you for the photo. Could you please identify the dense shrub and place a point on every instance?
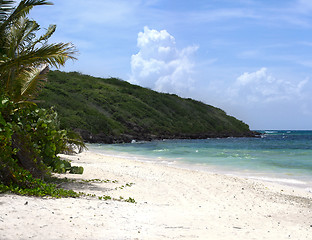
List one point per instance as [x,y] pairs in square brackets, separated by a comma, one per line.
[30,139]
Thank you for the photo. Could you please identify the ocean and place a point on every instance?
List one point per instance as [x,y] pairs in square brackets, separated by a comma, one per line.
[283,157]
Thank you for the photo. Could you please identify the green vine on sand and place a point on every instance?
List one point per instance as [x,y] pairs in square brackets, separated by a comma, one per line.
[107,197]
[99,180]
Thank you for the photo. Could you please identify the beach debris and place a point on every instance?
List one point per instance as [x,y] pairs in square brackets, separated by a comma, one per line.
[237,227]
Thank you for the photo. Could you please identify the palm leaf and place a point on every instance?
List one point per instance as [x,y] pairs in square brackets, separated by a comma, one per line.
[54,54]
[20,36]
[32,81]
[28,34]
[11,15]
[5,8]
[74,144]
[22,55]
[47,35]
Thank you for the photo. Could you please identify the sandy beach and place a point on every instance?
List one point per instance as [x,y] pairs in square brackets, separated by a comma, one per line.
[171,203]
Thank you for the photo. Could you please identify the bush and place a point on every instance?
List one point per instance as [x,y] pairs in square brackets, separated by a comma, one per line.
[30,139]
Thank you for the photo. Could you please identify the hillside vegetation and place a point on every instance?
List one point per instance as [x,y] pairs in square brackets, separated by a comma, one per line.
[112,110]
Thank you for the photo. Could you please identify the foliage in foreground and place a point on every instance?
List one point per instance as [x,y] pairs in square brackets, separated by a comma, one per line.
[30,140]
[30,137]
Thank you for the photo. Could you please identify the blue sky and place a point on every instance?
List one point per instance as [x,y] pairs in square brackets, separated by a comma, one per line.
[252,58]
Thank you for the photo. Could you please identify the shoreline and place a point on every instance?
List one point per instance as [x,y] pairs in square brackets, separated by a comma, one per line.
[128,138]
[172,203]
[304,182]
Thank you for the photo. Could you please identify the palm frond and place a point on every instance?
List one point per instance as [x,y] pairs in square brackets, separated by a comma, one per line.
[20,36]
[5,8]
[29,33]
[23,56]
[10,17]
[51,29]
[44,38]
[55,54]
[25,6]
[74,144]
[32,81]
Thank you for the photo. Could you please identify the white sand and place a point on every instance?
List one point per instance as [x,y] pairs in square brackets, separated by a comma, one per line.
[172,203]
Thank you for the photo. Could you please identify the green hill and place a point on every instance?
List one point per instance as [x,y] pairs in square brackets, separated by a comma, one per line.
[111,110]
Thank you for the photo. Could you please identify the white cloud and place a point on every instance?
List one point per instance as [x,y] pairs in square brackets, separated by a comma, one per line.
[160,65]
[263,87]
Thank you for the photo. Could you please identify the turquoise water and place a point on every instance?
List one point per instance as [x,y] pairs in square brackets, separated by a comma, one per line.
[278,156]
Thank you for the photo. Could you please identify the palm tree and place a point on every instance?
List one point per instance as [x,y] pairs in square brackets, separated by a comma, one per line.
[24,62]
[25,58]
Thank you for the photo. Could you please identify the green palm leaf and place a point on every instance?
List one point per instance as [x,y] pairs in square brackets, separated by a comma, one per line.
[5,8]
[54,54]
[32,81]
[22,54]
[9,14]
